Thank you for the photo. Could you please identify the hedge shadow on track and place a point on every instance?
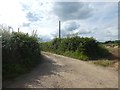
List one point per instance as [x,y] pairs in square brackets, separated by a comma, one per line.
[46,67]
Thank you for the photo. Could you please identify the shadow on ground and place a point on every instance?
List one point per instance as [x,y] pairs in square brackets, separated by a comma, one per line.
[114,55]
[46,67]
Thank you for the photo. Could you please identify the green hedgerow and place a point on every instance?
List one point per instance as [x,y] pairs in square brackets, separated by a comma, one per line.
[76,47]
[20,52]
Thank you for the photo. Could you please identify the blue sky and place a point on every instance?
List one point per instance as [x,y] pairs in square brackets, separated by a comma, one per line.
[88,19]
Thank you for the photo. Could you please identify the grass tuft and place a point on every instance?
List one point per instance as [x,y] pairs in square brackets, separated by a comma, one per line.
[104,63]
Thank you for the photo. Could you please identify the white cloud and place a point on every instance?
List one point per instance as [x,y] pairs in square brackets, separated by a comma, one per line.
[11,13]
[88,19]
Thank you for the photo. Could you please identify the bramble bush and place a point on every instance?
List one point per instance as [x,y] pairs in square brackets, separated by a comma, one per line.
[76,47]
[20,53]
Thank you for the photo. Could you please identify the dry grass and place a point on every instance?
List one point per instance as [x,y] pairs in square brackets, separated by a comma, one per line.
[104,63]
[113,62]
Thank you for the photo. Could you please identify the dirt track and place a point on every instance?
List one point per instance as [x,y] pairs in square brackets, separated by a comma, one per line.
[62,72]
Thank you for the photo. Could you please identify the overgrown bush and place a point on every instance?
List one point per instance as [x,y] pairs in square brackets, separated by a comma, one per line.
[76,47]
[20,52]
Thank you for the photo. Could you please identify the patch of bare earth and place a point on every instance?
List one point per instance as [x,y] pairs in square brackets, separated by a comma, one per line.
[58,71]
[115,51]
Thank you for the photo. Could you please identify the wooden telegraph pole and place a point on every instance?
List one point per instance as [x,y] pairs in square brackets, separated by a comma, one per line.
[59,29]
[18,29]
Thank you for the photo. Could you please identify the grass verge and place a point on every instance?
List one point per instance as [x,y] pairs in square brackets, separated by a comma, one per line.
[104,63]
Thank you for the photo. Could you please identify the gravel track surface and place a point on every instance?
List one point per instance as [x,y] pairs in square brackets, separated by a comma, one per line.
[56,71]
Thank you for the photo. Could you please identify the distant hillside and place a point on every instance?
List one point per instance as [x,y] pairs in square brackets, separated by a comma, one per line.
[115,43]
[112,42]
